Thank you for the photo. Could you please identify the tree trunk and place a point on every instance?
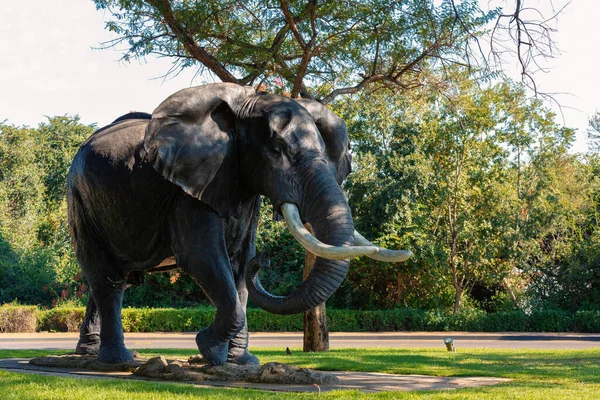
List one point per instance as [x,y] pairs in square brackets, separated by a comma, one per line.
[316,334]
[457,299]
[400,286]
[510,291]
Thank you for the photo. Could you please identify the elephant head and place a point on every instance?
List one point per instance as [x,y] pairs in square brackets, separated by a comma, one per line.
[223,142]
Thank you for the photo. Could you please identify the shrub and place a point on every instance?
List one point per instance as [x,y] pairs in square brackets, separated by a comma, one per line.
[587,321]
[63,319]
[550,321]
[165,290]
[341,320]
[436,320]
[505,321]
[166,319]
[17,319]
[467,320]
[68,319]
[409,319]
[263,321]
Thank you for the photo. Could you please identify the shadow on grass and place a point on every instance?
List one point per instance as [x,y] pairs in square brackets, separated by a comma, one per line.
[576,365]
[523,364]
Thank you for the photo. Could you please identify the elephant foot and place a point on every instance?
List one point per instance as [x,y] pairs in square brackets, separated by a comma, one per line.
[114,354]
[87,347]
[214,351]
[241,356]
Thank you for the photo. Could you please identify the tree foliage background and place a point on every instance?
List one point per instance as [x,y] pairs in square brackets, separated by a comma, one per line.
[481,188]
[451,160]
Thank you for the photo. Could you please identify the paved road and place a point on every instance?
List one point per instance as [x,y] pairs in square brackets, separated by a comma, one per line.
[337,340]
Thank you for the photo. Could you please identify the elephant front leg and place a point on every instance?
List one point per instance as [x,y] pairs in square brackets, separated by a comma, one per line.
[199,247]
[243,231]
[213,342]
[238,346]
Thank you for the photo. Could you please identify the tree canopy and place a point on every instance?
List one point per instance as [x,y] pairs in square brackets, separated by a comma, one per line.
[323,49]
[485,193]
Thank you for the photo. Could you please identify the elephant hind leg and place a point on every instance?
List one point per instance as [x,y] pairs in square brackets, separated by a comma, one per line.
[106,279]
[103,311]
[89,332]
[108,294]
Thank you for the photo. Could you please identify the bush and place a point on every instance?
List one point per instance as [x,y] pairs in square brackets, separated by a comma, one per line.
[17,319]
[166,319]
[505,321]
[550,321]
[165,290]
[263,321]
[68,319]
[63,319]
[341,320]
[465,320]
[587,321]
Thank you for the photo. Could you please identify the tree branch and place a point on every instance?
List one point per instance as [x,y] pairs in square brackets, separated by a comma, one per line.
[198,52]
[354,89]
[292,23]
[298,87]
[414,62]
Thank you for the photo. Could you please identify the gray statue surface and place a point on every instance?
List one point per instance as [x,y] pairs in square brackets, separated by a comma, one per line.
[182,188]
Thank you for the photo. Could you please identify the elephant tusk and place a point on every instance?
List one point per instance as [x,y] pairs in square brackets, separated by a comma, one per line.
[313,245]
[382,254]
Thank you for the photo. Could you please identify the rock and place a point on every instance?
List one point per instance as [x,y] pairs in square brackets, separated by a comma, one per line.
[230,372]
[119,367]
[175,371]
[153,368]
[197,359]
[268,373]
[89,362]
[63,361]
[286,374]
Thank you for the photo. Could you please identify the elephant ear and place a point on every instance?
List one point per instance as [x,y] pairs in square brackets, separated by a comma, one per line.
[190,141]
[335,135]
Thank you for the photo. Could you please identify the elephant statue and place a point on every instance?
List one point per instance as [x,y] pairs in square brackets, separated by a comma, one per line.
[181,188]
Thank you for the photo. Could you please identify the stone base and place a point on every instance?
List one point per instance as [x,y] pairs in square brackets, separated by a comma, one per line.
[369,382]
[90,363]
[194,370]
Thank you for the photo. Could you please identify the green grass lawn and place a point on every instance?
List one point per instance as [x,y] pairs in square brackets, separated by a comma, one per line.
[536,374]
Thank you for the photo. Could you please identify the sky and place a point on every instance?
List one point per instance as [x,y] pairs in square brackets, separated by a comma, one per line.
[48,66]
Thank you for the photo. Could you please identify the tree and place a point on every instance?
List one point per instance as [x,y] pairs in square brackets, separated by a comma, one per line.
[594,132]
[559,254]
[37,260]
[326,48]
[317,49]
[459,178]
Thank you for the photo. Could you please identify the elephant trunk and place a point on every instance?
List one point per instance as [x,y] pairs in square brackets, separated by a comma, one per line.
[326,209]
